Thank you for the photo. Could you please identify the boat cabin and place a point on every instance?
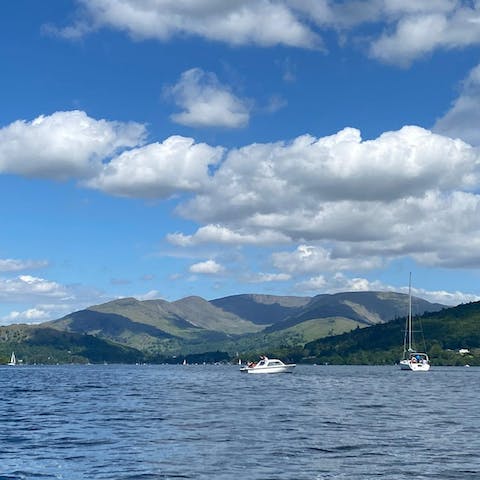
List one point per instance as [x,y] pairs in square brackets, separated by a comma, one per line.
[272,363]
[416,357]
[266,362]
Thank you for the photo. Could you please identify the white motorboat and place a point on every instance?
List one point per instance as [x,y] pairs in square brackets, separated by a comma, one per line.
[268,365]
[412,360]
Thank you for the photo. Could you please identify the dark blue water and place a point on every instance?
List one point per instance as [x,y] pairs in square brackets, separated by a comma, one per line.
[212,422]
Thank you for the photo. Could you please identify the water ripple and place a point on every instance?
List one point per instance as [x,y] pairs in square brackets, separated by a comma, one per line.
[211,422]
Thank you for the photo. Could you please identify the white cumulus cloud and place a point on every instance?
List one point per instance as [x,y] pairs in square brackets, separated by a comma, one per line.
[419,34]
[463,118]
[407,192]
[399,31]
[209,267]
[338,283]
[240,22]
[158,170]
[32,315]
[27,287]
[309,259]
[266,182]
[223,235]
[206,102]
[63,145]
[35,299]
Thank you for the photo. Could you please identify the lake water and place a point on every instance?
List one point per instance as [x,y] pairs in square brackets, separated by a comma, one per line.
[212,422]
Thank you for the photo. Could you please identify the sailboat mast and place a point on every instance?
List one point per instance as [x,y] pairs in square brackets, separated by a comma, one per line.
[410,312]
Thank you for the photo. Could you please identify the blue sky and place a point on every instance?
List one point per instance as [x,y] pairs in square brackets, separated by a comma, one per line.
[167,148]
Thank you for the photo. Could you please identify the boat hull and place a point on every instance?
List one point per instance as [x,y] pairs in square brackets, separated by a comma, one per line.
[414,367]
[276,369]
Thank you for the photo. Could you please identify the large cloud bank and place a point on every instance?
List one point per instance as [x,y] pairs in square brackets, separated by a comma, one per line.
[394,31]
[407,192]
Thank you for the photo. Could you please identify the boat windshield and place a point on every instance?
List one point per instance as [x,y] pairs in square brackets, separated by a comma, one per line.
[418,357]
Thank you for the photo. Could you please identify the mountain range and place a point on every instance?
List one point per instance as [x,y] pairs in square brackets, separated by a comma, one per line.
[155,330]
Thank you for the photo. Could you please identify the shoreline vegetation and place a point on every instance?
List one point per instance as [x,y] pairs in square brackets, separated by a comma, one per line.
[449,361]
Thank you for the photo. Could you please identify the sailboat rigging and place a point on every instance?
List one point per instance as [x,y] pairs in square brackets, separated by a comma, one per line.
[412,360]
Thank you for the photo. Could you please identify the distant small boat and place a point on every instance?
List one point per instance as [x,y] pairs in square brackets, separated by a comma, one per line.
[412,360]
[13,360]
[184,361]
[268,365]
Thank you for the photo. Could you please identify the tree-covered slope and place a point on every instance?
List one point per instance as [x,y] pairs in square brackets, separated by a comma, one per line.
[36,344]
[444,332]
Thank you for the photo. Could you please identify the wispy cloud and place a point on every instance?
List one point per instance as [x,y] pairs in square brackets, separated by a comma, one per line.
[339,282]
[17,265]
[262,277]
[47,299]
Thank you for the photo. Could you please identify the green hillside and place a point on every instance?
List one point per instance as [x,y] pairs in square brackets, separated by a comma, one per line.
[294,337]
[36,344]
[117,328]
[156,326]
[155,313]
[445,333]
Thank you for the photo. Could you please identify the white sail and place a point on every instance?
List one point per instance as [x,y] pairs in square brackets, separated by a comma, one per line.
[13,359]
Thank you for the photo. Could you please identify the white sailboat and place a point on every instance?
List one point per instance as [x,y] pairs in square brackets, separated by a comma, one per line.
[13,360]
[412,360]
